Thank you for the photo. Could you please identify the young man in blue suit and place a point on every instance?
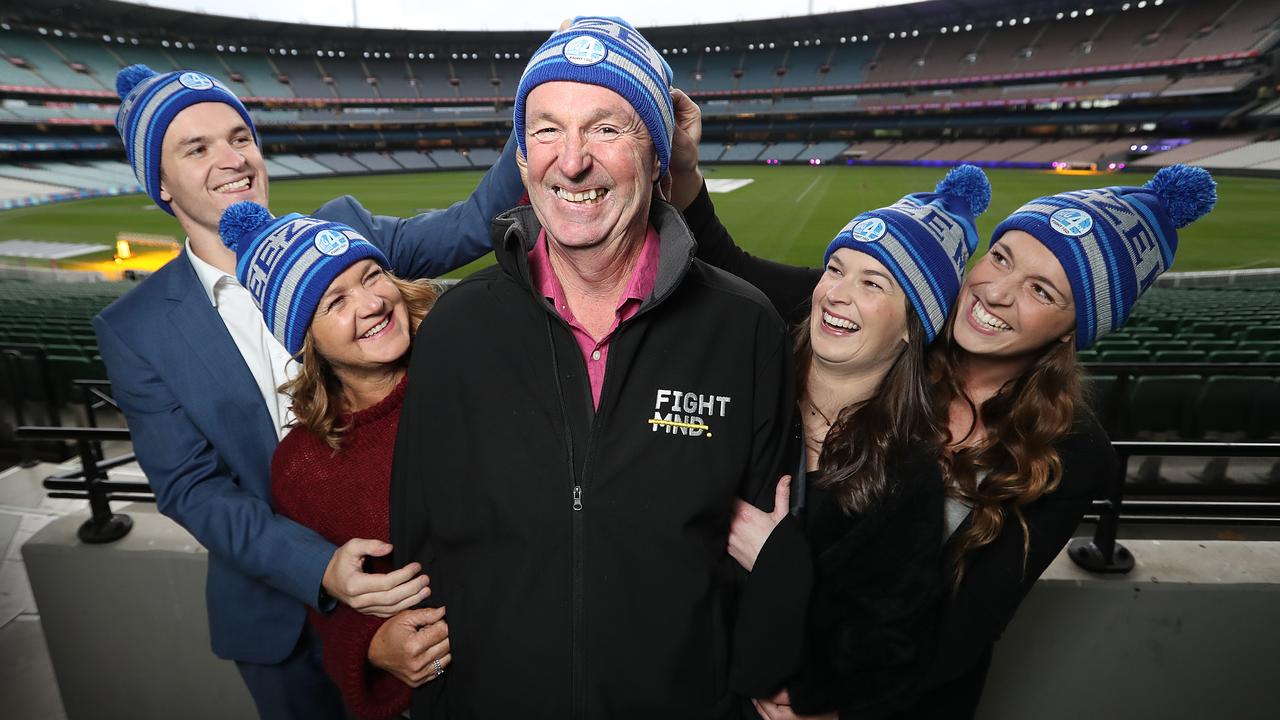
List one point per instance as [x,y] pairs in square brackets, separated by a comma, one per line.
[195,371]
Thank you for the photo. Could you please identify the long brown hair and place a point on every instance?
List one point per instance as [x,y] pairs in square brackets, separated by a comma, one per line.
[1023,421]
[317,391]
[865,435]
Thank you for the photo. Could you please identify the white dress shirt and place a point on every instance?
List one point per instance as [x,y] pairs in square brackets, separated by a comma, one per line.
[267,359]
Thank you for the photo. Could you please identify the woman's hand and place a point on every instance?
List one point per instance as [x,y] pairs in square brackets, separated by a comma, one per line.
[409,644]
[751,526]
[684,178]
[778,707]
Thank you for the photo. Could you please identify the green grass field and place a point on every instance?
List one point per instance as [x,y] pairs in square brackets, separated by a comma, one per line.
[787,213]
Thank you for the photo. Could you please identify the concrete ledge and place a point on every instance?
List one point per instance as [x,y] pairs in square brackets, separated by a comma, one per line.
[1192,632]
[126,625]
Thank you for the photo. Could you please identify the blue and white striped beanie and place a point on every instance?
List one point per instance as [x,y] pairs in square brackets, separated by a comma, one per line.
[288,263]
[1113,242]
[608,52]
[149,101]
[925,239]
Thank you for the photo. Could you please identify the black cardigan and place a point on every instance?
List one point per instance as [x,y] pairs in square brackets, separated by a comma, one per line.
[862,638]
[995,582]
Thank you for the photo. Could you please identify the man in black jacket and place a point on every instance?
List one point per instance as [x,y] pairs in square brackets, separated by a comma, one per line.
[580,418]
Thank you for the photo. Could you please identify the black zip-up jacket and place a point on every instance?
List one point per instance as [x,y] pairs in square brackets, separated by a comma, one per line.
[581,553]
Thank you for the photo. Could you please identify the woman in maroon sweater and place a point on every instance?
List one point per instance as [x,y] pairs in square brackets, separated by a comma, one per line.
[326,295]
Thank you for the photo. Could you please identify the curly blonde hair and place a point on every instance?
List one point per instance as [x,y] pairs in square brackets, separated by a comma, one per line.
[317,391]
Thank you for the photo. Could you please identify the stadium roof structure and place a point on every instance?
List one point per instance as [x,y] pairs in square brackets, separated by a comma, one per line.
[877,22]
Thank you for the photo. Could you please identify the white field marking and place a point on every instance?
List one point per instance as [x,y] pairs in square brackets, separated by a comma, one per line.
[724,185]
[806,190]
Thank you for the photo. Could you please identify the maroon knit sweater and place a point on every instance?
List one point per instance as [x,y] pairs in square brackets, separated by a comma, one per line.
[343,495]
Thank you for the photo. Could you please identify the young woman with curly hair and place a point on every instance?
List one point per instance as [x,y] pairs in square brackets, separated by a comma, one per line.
[1025,456]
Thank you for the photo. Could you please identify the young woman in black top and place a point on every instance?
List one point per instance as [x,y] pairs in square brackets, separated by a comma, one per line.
[1023,455]
[868,477]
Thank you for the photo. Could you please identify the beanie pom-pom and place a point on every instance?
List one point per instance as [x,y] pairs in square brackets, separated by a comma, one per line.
[971,184]
[1188,192]
[128,78]
[240,221]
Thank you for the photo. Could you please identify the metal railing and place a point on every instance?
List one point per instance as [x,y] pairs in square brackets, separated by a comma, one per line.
[1103,554]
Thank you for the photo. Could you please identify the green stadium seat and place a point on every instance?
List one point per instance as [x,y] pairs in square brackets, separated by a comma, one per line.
[1216,329]
[1194,337]
[1235,356]
[1162,345]
[1101,392]
[1213,345]
[1263,346]
[1169,325]
[1110,343]
[1160,406]
[1087,356]
[1180,356]
[1236,407]
[1125,356]
[1268,332]
[1271,356]
[62,349]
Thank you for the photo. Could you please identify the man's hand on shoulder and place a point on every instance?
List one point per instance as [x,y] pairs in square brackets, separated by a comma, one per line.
[381,595]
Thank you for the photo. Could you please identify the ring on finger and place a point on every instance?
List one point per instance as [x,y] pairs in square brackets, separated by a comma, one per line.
[438,667]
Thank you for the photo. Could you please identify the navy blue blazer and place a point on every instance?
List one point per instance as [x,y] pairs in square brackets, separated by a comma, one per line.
[204,437]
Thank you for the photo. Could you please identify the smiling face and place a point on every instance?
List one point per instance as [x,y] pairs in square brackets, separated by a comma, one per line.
[1014,301]
[361,326]
[210,161]
[591,166]
[859,318]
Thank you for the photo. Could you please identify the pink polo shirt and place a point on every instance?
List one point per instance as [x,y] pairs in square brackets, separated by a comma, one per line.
[639,286]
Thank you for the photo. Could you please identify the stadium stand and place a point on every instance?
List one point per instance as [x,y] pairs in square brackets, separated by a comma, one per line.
[303,165]
[824,151]
[412,160]
[377,162]
[742,152]
[710,152]
[305,77]
[1194,151]
[1263,155]
[450,159]
[339,163]
[483,157]
[783,151]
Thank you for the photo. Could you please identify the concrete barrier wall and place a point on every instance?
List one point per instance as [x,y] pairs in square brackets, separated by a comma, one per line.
[1193,632]
[126,624]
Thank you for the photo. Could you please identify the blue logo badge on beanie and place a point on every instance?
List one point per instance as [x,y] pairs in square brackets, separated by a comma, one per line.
[1071,221]
[331,242]
[869,230]
[584,50]
[195,81]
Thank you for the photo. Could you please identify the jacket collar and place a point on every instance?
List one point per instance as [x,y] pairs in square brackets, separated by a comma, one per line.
[515,231]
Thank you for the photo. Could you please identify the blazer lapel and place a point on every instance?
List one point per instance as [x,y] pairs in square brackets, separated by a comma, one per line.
[210,343]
